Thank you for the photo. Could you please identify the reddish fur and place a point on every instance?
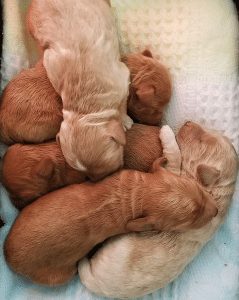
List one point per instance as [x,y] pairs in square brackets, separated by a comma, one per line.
[30,101]
[150,88]
[53,233]
[30,109]
[30,171]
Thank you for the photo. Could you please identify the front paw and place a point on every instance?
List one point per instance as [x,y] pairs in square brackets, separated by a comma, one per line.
[127,122]
[166,135]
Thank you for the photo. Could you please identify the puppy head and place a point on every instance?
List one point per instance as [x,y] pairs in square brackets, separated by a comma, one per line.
[181,205]
[150,87]
[207,155]
[30,171]
[195,207]
[92,146]
[25,175]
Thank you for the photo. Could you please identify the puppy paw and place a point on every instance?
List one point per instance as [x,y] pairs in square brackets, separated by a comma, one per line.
[127,122]
[170,149]
[166,135]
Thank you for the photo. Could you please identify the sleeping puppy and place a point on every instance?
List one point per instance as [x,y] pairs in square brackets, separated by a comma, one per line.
[30,171]
[134,265]
[150,88]
[81,56]
[53,233]
[30,109]
[30,101]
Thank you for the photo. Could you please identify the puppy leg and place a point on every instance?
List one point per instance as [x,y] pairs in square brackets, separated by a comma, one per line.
[127,122]
[170,150]
[158,164]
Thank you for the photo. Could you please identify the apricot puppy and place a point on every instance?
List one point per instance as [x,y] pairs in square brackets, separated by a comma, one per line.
[53,233]
[82,59]
[150,89]
[30,109]
[130,266]
[30,171]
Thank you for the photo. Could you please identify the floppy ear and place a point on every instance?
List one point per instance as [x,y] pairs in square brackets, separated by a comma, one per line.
[116,132]
[141,224]
[45,168]
[147,53]
[145,94]
[207,175]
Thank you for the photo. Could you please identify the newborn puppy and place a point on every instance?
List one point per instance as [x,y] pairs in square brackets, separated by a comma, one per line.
[83,63]
[150,88]
[30,171]
[30,109]
[53,233]
[133,265]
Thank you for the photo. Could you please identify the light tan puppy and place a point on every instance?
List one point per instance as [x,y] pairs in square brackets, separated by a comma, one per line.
[30,171]
[134,265]
[30,109]
[53,233]
[81,56]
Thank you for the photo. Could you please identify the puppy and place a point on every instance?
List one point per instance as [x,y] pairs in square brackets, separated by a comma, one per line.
[30,109]
[150,88]
[134,265]
[81,56]
[30,171]
[52,234]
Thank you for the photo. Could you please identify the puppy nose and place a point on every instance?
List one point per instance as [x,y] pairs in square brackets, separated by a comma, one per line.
[212,210]
[216,212]
[94,177]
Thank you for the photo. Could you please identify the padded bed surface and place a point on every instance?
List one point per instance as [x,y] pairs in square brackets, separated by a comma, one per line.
[198,40]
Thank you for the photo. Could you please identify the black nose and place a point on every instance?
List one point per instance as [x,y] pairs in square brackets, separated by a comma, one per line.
[216,212]
[95,178]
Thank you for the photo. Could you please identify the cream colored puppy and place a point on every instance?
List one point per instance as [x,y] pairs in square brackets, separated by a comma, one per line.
[136,264]
[82,59]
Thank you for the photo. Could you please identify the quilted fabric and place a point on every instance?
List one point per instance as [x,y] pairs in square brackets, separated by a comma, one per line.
[198,40]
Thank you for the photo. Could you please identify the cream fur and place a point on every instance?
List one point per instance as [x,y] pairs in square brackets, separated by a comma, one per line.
[136,264]
[82,59]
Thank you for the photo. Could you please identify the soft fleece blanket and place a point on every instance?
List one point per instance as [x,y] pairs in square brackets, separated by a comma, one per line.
[198,40]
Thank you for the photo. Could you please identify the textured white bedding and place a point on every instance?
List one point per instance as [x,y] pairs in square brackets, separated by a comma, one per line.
[198,40]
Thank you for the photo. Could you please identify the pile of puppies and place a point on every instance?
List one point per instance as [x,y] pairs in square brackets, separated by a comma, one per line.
[67,120]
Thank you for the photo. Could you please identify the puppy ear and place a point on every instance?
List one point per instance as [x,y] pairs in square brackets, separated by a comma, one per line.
[158,164]
[207,175]
[141,224]
[45,168]
[145,94]
[147,53]
[116,132]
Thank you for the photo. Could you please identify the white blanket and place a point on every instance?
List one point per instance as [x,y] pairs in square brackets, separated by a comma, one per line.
[198,40]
